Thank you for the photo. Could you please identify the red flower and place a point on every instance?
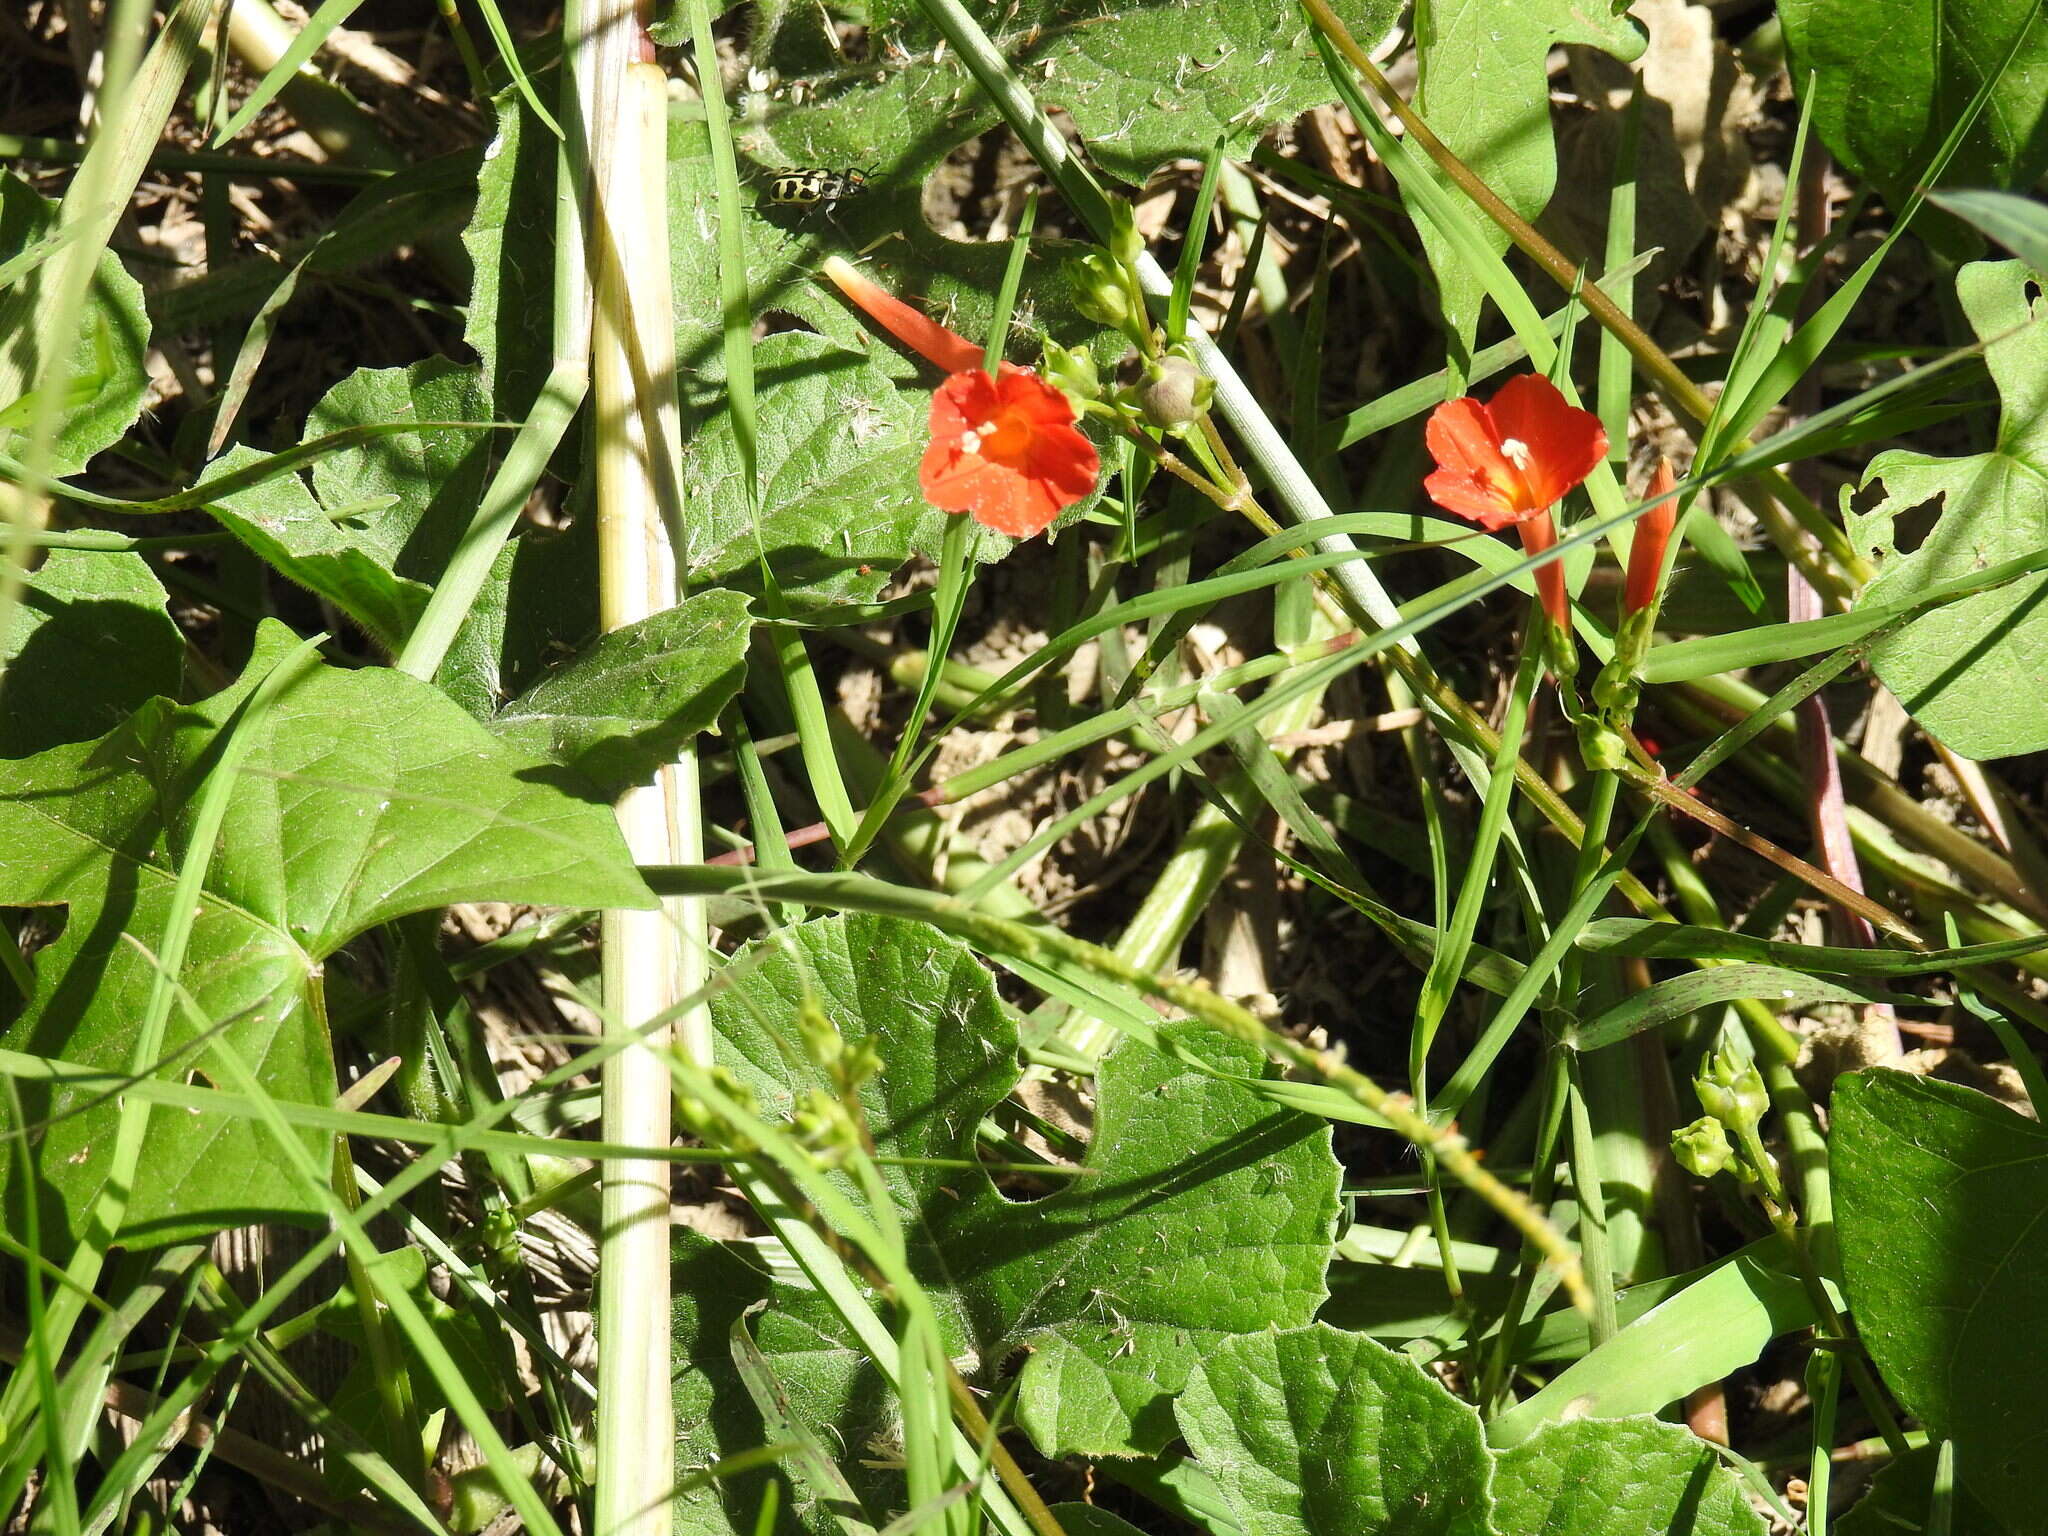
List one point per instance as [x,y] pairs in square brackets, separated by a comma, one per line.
[1513,457]
[1005,448]
[1652,535]
[1510,461]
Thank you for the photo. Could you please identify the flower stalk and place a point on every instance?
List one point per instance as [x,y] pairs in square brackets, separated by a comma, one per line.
[651,958]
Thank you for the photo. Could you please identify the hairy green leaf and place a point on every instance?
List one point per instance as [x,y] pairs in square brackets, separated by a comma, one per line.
[1144,82]
[1316,1432]
[625,706]
[1626,1477]
[1206,1212]
[840,507]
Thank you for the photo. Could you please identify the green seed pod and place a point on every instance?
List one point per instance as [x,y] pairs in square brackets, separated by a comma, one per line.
[1702,1148]
[1174,393]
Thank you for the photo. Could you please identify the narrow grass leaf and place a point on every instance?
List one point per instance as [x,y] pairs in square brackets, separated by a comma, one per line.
[319,25]
[2020,224]
[1681,995]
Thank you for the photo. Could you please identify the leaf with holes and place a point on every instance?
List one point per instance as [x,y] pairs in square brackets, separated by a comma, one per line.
[1970,671]
[365,796]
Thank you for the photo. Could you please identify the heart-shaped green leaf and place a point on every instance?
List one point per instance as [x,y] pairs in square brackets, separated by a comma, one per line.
[1484,87]
[625,706]
[1618,1477]
[1941,1195]
[1317,1433]
[364,796]
[1890,77]
[1205,1213]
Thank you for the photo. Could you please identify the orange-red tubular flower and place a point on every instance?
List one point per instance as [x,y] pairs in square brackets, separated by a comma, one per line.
[1004,449]
[937,345]
[1652,536]
[1510,460]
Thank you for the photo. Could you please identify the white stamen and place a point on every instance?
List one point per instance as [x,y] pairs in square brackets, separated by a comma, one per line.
[970,440]
[1516,451]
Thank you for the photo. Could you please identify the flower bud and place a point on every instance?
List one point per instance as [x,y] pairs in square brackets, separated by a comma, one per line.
[1651,537]
[1702,1148]
[1601,748]
[1732,1091]
[1099,290]
[1126,245]
[1174,392]
[1072,373]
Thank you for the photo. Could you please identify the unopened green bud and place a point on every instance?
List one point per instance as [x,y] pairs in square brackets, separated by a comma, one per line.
[1099,290]
[821,1035]
[1632,640]
[863,1060]
[1615,690]
[1125,243]
[1702,1148]
[1174,393]
[1599,747]
[1732,1091]
[1073,374]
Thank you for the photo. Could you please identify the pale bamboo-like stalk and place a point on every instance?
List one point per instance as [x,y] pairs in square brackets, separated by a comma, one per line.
[632,366]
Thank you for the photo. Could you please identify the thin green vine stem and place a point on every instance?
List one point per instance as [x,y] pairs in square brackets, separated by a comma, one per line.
[1043,946]
[1594,1243]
